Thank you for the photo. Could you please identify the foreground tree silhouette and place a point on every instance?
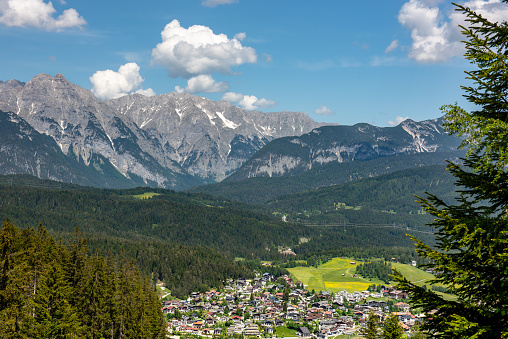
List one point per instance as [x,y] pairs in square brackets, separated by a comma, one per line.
[371,329]
[44,295]
[471,254]
[391,328]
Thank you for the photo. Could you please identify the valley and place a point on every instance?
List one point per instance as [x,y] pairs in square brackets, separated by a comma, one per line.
[183,185]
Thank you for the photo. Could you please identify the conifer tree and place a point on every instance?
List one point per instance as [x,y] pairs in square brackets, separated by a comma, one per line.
[371,329]
[391,328]
[471,254]
[54,316]
[47,292]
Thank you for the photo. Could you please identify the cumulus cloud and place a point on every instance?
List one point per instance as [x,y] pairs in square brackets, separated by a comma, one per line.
[397,121]
[393,45]
[203,84]
[146,92]
[38,14]
[109,84]
[187,52]
[240,36]
[436,35]
[323,110]
[213,3]
[248,102]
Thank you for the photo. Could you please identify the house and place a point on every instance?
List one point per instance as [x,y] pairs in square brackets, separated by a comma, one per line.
[217,331]
[404,316]
[267,323]
[207,331]
[396,294]
[197,324]
[403,306]
[303,332]
[210,321]
[251,330]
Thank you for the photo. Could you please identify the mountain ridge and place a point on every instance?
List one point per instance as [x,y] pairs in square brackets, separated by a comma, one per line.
[192,140]
[341,144]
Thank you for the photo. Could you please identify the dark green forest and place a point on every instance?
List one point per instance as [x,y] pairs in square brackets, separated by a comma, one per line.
[189,240]
[172,217]
[51,290]
[386,199]
[376,269]
[260,190]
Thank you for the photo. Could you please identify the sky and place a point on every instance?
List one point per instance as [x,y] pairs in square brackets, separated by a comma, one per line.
[345,62]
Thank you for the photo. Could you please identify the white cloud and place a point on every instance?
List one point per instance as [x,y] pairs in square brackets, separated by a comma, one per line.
[393,45]
[213,3]
[323,110]
[109,84]
[197,50]
[268,57]
[436,36]
[38,14]
[146,92]
[397,121]
[203,84]
[240,36]
[248,102]
[232,97]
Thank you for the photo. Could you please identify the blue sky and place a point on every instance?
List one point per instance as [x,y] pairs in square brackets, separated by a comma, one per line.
[338,61]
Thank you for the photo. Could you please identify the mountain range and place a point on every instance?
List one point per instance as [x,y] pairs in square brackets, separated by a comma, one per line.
[58,130]
[175,140]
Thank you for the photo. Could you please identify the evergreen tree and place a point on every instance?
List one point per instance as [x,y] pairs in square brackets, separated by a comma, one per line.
[471,255]
[54,316]
[371,329]
[47,292]
[391,328]
[417,333]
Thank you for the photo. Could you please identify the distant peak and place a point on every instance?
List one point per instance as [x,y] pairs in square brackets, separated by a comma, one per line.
[45,77]
[13,83]
[59,76]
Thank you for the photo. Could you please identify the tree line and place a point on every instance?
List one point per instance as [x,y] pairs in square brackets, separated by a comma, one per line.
[49,290]
[376,269]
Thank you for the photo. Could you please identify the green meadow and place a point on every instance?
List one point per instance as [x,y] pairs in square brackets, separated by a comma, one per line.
[334,276]
[146,195]
[338,275]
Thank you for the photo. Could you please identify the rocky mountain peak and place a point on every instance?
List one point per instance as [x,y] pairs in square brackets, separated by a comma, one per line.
[158,139]
[13,83]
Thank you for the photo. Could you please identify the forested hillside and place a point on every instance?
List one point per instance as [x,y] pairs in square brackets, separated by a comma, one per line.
[169,216]
[48,290]
[262,189]
[385,199]
[189,240]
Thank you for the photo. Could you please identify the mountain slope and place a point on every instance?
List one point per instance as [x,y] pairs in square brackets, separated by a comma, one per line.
[259,190]
[175,140]
[392,194]
[341,144]
[209,139]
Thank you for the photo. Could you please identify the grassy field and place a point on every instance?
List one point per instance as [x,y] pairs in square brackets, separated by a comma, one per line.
[337,275]
[146,195]
[334,276]
[419,277]
[283,332]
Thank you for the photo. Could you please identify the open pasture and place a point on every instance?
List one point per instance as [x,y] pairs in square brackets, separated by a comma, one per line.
[334,276]
[147,195]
